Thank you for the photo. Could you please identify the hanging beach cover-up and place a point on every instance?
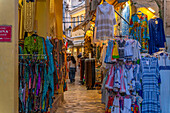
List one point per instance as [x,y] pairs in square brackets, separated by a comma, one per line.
[105,21]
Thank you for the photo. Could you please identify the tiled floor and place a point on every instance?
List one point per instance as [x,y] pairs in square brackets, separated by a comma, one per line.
[80,100]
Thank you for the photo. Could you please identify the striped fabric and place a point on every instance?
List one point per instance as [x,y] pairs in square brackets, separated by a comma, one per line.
[150,78]
[105,21]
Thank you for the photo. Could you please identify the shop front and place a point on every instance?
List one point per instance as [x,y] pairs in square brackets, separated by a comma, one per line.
[34,74]
[129,46]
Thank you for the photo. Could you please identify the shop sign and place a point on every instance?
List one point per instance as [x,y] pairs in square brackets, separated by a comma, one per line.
[120,1]
[5,33]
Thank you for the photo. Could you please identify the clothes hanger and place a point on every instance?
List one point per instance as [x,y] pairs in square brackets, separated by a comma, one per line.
[146,55]
[35,33]
[139,13]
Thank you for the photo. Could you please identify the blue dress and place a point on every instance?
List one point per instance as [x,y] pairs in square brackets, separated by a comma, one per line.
[150,81]
[156,34]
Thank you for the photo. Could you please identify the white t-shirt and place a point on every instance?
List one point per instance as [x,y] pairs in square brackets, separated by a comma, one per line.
[71,64]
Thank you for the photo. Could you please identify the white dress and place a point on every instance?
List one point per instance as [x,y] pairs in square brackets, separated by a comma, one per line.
[127,106]
[128,71]
[128,52]
[115,107]
[136,50]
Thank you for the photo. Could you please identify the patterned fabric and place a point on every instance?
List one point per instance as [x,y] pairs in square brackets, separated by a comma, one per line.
[33,45]
[150,80]
[139,30]
[110,78]
[128,71]
[121,44]
[156,34]
[115,53]
[105,20]
[124,25]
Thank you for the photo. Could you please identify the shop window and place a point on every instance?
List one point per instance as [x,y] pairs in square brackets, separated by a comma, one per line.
[74,22]
[82,18]
[78,20]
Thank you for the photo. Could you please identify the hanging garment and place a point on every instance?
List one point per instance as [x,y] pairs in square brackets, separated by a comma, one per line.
[108,56]
[156,34]
[115,53]
[128,52]
[121,44]
[136,50]
[117,80]
[128,71]
[122,79]
[126,16]
[51,61]
[127,105]
[109,105]
[105,21]
[102,58]
[110,78]
[115,108]
[33,45]
[137,77]
[139,30]
[104,90]
[150,81]
[164,66]
[139,101]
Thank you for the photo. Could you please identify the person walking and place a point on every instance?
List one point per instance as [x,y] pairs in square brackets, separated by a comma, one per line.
[72,69]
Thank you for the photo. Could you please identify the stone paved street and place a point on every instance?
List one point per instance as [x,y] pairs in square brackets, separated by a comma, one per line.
[80,100]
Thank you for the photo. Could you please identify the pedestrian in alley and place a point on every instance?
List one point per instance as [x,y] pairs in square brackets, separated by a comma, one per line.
[72,69]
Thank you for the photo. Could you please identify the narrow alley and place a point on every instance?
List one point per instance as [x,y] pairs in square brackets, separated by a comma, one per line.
[80,100]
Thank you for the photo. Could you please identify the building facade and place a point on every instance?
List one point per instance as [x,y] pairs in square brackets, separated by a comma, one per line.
[74,14]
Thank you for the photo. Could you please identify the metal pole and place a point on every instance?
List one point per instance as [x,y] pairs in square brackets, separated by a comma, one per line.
[122,18]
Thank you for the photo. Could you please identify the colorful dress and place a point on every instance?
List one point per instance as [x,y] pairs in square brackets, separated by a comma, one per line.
[139,30]
[110,78]
[115,53]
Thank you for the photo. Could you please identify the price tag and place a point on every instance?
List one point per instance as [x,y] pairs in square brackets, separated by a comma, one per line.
[147,62]
[156,22]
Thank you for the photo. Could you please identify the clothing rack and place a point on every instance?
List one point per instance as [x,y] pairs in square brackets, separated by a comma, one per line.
[31,55]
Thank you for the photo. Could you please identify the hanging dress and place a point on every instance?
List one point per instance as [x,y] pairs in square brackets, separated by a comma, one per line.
[115,53]
[150,81]
[164,66]
[110,78]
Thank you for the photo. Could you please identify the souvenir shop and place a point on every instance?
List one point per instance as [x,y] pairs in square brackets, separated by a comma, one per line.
[131,53]
[42,60]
